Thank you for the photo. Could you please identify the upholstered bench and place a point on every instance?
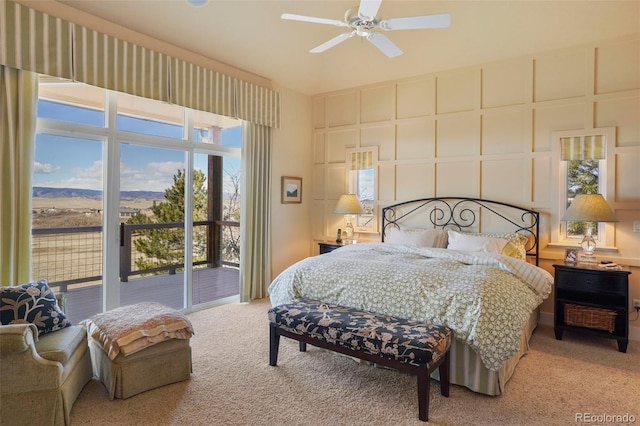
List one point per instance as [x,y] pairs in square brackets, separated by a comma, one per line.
[139,347]
[408,346]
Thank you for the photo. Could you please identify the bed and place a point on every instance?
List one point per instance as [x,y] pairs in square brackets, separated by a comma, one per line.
[467,263]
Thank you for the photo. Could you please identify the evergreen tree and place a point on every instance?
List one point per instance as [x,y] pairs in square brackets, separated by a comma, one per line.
[582,178]
[164,246]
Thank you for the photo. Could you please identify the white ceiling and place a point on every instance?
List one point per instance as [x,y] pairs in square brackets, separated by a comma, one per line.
[251,36]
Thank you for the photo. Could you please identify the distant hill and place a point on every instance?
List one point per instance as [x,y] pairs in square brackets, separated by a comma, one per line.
[44,192]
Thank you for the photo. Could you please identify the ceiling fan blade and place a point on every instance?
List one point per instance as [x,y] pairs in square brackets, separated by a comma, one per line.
[313,19]
[417,22]
[369,8]
[333,42]
[385,45]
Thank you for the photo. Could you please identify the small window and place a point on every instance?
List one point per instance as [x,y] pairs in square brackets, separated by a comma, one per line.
[362,164]
[583,157]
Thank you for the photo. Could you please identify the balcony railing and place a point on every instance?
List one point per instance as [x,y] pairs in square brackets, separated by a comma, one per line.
[73,255]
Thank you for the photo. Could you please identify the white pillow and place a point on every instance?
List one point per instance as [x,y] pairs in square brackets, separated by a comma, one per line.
[416,237]
[458,241]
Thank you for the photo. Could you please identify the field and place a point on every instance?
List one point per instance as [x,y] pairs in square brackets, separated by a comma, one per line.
[61,257]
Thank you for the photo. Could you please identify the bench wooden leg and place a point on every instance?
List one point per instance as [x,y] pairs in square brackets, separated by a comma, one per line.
[303,346]
[444,376]
[274,343]
[424,384]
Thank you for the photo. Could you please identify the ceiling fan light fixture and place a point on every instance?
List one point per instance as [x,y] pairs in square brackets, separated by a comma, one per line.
[366,22]
[197,3]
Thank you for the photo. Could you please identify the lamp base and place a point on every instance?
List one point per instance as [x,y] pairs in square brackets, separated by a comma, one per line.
[588,258]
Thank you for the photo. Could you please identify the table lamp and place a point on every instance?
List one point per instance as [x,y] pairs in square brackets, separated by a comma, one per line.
[589,208]
[348,205]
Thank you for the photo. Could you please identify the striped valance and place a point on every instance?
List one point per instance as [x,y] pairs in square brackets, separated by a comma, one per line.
[257,104]
[105,61]
[199,88]
[361,160]
[590,147]
[34,41]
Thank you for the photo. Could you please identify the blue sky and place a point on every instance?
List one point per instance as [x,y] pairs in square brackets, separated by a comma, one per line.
[65,162]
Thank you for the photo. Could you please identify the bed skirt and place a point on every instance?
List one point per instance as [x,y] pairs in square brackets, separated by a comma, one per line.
[467,369]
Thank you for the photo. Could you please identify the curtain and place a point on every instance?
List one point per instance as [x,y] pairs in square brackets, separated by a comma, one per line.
[18,100]
[361,160]
[257,104]
[201,89]
[255,219]
[583,148]
[114,64]
[34,41]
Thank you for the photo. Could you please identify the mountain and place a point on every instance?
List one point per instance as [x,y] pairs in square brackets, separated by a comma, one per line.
[44,192]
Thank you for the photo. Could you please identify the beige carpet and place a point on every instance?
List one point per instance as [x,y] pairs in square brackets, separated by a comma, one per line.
[233,384]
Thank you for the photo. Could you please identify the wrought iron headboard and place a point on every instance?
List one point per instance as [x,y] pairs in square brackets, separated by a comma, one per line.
[458,213]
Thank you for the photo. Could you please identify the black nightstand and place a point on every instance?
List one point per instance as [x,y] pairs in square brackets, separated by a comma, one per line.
[593,300]
[328,246]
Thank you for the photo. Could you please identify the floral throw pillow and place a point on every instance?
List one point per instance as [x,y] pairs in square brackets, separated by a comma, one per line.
[32,303]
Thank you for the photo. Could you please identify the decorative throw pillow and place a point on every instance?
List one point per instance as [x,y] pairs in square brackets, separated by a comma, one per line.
[32,303]
[516,244]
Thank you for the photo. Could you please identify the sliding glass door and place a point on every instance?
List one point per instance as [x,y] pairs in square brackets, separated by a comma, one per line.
[157,188]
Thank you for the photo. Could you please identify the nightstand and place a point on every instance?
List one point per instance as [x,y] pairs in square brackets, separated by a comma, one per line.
[592,300]
[329,246]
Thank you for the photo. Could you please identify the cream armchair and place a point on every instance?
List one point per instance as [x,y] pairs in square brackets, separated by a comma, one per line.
[41,377]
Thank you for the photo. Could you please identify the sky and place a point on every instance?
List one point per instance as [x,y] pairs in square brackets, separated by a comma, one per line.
[66,162]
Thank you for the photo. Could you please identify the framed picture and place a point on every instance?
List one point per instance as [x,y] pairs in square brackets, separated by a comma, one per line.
[570,255]
[291,190]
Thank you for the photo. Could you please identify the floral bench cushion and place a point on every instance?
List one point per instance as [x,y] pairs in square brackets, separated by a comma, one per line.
[412,342]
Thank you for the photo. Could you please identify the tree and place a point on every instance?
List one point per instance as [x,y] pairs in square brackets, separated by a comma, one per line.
[231,212]
[582,178]
[165,246]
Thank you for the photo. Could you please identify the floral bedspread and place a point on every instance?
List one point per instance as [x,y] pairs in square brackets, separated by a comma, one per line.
[485,298]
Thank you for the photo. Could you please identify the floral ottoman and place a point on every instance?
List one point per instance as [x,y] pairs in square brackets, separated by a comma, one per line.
[408,346]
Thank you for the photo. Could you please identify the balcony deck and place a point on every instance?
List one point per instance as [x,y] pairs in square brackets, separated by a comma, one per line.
[209,284]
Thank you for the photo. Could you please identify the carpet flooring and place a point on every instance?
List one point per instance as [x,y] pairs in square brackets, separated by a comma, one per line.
[556,383]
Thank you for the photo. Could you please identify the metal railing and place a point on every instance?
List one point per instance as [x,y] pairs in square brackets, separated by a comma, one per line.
[73,255]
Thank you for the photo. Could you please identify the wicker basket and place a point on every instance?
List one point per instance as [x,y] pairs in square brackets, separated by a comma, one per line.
[585,316]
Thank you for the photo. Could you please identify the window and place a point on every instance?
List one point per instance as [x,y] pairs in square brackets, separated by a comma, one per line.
[114,177]
[583,158]
[363,164]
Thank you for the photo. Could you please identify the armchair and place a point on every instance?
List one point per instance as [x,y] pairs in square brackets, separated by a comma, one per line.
[41,377]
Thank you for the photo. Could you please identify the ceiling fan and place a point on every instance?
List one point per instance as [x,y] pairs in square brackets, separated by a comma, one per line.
[365,23]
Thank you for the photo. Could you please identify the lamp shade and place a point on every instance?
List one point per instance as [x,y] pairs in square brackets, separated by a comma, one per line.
[589,208]
[348,204]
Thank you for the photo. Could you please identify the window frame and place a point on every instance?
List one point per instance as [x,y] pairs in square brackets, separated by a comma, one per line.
[606,186]
[352,183]
[112,138]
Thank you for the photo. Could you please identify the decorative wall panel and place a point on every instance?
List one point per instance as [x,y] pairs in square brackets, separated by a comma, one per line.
[383,137]
[503,132]
[458,135]
[415,139]
[458,91]
[416,98]
[377,104]
[611,76]
[624,113]
[338,142]
[555,118]
[560,75]
[341,109]
[505,83]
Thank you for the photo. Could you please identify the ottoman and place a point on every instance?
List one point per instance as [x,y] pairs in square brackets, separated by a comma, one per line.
[139,347]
